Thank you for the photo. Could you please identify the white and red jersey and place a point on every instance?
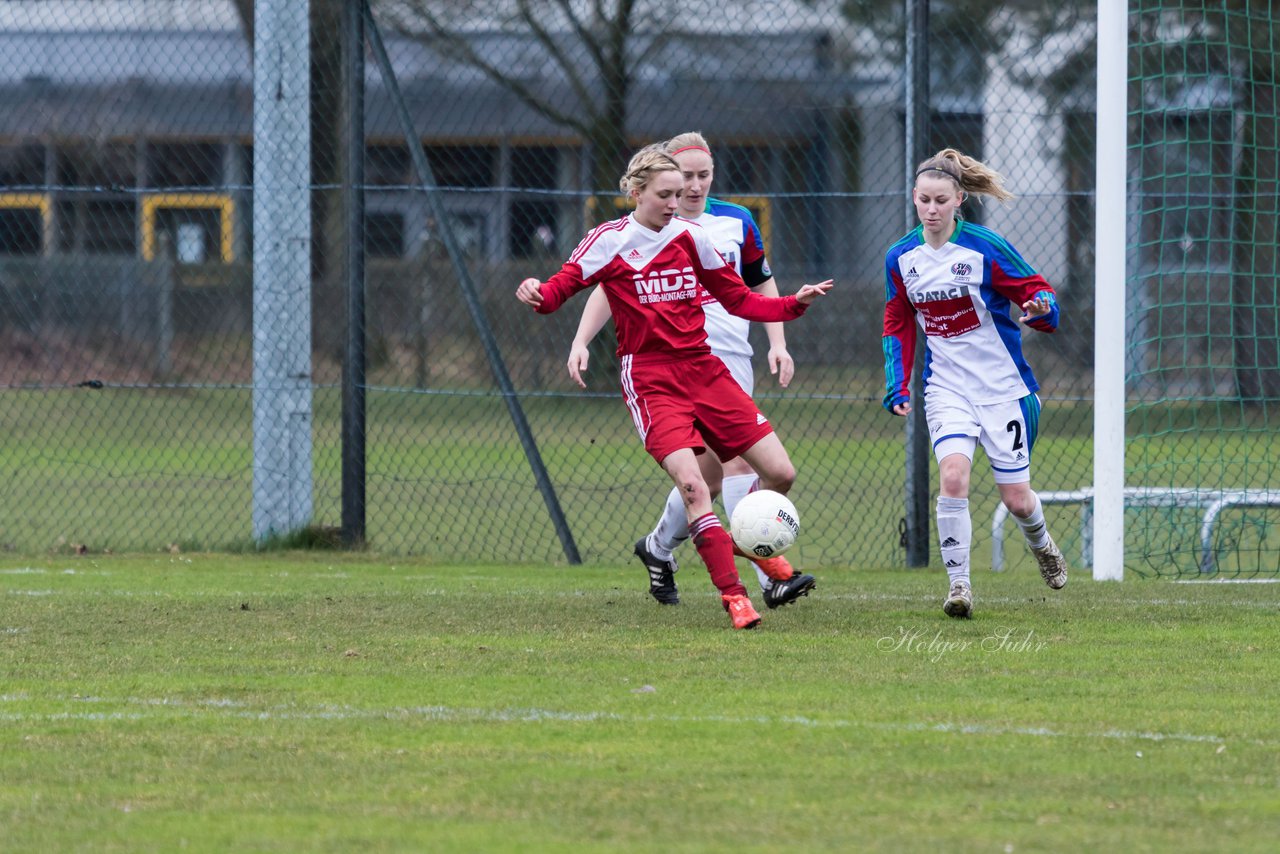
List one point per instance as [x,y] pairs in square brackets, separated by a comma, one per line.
[960,296]
[735,235]
[654,281]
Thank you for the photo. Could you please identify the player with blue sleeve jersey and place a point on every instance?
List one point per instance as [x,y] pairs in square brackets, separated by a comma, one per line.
[957,282]
[960,295]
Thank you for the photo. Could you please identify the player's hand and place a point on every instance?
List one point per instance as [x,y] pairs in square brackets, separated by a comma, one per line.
[1033,308]
[530,292]
[579,356]
[809,293]
[903,408]
[781,365]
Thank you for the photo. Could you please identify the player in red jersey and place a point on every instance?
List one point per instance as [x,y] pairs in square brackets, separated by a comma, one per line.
[682,399]
[736,236]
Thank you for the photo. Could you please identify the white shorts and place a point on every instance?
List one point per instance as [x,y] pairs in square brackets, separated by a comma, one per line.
[740,367]
[1006,430]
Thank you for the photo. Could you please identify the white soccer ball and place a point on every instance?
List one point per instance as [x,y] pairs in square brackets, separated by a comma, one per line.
[765,523]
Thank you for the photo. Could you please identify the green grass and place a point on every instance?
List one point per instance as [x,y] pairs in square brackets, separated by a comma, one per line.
[333,702]
[134,470]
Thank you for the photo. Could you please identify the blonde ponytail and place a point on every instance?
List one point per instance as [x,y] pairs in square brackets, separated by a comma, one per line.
[969,174]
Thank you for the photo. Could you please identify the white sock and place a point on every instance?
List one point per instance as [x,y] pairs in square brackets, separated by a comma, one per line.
[1033,526]
[672,528]
[733,490]
[955,533]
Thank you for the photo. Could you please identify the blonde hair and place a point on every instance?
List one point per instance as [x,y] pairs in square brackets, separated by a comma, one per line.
[690,139]
[970,175]
[644,164]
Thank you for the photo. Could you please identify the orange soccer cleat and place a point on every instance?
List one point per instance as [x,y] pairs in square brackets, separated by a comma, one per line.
[741,610]
[777,568]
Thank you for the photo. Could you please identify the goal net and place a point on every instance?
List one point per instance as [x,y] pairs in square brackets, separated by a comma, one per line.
[1202,362]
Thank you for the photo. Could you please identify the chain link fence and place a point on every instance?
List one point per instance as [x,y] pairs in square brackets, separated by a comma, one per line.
[127,238]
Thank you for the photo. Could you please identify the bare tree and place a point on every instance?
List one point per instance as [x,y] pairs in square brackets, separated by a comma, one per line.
[592,49]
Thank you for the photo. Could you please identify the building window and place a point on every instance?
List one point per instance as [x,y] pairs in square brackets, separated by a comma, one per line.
[22,165]
[535,167]
[534,217]
[87,165]
[21,231]
[464,166]
[387,166]
[108,226]
[173,165]
[533,229]
[384,235]
[26,220]
[469,231]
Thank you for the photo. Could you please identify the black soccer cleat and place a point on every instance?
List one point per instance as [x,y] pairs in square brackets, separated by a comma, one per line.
[786,592]
[662,575]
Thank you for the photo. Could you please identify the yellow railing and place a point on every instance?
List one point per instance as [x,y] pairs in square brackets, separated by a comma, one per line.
[220,202]
[34,201]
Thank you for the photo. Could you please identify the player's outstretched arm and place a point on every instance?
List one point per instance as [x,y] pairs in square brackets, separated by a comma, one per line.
[809,293]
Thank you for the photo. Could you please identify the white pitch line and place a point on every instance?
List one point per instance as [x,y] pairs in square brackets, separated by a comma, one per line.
[925,601]
[232,709]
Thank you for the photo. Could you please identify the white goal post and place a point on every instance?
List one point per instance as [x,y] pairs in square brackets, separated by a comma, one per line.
[1109,293]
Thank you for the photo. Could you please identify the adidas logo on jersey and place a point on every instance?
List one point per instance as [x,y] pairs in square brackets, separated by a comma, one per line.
[1020,456]
[950,542]
[760,419]
[912,274]
[634,255]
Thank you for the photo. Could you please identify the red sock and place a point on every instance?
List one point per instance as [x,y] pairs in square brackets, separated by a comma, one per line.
[716,550]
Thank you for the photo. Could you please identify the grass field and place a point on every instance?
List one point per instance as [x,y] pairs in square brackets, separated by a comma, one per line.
[309,702]
[136,470]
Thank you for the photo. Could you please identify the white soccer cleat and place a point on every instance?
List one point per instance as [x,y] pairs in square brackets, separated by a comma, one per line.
[1053,566]
[959,602]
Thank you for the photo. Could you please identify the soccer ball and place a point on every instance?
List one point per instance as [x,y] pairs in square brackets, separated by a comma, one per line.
[765,523]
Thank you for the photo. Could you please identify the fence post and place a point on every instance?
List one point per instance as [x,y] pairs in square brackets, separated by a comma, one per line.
[353,368]
[282,478]
[162,275]
[918,109]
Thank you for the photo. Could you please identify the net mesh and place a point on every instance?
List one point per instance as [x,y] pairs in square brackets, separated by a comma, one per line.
[127,165]
[1203,375]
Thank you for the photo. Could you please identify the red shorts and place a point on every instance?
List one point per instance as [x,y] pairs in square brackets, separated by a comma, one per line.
[691,403]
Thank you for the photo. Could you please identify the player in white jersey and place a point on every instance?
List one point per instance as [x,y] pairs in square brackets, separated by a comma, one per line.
[653,266]
[957,282]
[735,235]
